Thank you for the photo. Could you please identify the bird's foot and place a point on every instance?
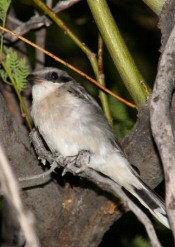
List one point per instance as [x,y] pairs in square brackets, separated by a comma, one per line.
[83,158]
[77,163]
[69,164]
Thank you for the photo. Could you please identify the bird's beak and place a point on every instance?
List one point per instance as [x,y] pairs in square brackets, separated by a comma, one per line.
[34,79]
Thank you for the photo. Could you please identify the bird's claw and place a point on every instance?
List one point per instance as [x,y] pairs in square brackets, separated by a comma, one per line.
[43,161]
[83,158]
[80,161]
[69,163]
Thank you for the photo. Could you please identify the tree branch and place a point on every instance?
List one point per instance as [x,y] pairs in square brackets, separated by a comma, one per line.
[37,21]
[103,182]
[161,121]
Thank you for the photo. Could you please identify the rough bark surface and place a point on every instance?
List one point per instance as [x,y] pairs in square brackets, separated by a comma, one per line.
[141,150]
[161,107]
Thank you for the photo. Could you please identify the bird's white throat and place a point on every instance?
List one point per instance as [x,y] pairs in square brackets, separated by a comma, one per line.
[42,90]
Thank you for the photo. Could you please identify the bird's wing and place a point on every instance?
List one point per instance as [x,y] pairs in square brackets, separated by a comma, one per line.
[78,91]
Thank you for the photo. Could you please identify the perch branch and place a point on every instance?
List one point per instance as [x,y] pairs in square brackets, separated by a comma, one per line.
[103,182]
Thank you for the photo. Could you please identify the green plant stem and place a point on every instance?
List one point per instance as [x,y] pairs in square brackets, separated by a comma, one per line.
[104,101]
[101,79]
[4,9]
[155,5]
[67,31]
[125,64]
[91,56]
[22,102]
[2,40]
[2,35]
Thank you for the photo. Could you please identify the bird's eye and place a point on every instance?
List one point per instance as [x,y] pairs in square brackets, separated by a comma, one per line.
[54,76]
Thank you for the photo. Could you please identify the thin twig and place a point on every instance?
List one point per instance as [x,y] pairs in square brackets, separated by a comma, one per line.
[101,78]
[119,52]
[146,222]
[71,67]
[62,5]
[41,175]
[36,21]
[40,41]
[90,55]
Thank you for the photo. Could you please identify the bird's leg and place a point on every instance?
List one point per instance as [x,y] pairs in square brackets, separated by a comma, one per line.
[76,164]
[43,154]
[69,164]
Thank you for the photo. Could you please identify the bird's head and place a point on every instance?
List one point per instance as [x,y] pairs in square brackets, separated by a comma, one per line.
[47,80]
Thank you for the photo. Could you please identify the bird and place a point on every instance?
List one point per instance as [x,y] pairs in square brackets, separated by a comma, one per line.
[70,120]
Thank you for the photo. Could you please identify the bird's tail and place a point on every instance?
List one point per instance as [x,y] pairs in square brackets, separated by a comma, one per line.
[149,199]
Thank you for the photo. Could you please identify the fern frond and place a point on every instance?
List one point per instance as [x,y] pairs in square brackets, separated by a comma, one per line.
[18,69]
[4,75]
[22,71]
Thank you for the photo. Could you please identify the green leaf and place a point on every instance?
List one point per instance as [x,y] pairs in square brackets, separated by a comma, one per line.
[4,75]
[4,6]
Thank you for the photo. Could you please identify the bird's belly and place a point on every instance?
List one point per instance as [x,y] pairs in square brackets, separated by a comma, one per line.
[70,140]
[68,133]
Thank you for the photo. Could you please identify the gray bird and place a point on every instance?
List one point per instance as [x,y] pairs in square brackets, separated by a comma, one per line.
[70,121]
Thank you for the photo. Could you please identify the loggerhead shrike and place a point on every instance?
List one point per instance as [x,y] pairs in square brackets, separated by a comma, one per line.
[70,121]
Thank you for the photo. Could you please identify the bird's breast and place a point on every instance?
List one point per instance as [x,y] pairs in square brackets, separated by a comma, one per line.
[66,129]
